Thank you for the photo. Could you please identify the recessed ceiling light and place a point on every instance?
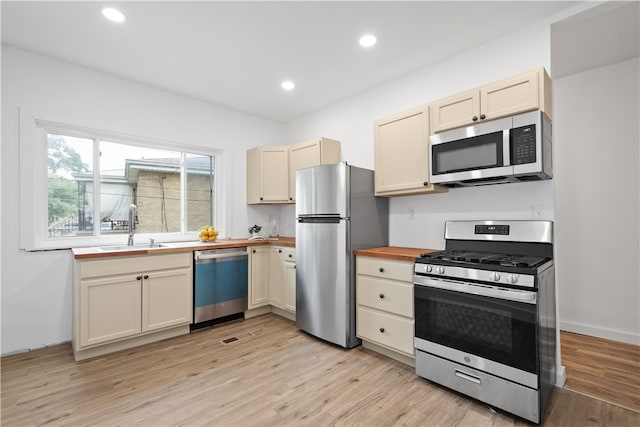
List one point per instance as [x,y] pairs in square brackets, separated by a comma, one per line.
[288,85]
[368,40]
[113,14]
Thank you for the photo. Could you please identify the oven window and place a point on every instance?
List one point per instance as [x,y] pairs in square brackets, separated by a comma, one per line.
[498,330]
[486,326]
[478,152]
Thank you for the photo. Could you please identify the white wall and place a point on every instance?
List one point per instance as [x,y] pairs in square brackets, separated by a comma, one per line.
[36,286]
[351,122]
[599,293]
[597,186]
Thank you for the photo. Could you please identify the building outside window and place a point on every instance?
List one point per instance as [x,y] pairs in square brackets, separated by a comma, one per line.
[91,182]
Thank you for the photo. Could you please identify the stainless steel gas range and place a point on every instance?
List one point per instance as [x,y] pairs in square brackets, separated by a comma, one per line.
[485,321]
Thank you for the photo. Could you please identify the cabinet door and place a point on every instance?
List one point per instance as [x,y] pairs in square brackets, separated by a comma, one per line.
[401,144]
[109,309]
[320,151]
[510,96]
[274,167]
[268,175]
[276,277]
[258,271]
[290,287]
[455,111]
[166,299]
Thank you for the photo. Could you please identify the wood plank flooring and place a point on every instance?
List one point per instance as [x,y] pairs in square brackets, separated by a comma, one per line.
[272,375]
[606,370]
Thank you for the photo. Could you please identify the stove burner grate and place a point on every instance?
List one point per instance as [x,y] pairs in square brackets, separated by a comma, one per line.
[487,258]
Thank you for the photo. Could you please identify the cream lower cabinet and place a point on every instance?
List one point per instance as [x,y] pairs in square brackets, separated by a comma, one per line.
[272,281]
[282,276]
[121,302]
[513,95]
[384,311]
[290,285]
[258,276]
[166,299]
[110,309]
[401,150]
[276,276]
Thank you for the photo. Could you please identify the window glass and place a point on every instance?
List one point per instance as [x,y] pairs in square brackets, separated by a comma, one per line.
[148,178]
[172,189]
[200,193]
[69,161]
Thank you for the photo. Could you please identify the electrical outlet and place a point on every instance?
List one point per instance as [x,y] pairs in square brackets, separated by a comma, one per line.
[536,211]
[412,213]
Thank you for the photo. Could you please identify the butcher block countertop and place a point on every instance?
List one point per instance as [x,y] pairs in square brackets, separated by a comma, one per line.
[176,247]
[394,252]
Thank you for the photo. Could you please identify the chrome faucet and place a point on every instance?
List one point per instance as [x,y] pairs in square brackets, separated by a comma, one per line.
[133,212]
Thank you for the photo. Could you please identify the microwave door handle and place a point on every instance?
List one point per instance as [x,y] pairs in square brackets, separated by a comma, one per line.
[506,147]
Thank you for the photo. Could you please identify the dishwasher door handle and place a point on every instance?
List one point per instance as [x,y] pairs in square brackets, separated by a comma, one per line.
[204,255]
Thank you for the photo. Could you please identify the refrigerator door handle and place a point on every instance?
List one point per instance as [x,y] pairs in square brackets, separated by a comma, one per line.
[320,219]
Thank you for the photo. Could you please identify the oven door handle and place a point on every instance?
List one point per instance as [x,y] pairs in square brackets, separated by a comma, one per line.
[477,289]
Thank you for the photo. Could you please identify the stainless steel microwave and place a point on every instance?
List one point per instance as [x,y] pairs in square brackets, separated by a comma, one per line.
[512,149]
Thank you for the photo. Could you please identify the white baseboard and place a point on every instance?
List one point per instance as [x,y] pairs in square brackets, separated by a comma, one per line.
[607,334]
[561,377]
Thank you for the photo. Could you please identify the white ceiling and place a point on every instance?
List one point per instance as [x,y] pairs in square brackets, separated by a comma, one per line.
[235,54]
[603,35]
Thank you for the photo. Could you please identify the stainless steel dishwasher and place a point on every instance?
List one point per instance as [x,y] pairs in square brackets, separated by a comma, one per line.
[219,285]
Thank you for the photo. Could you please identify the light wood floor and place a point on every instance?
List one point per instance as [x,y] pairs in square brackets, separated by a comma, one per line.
[272,375]
[607,370]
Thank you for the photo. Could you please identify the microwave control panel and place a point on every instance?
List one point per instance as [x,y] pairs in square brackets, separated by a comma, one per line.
[523,145]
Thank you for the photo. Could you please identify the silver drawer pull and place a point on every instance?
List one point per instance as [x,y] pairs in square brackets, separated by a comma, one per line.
[468,377]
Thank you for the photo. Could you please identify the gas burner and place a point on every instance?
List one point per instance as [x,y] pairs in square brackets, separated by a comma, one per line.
[486,258]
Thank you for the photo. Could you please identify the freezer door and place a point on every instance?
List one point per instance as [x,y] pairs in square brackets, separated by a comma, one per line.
[324,293]
[323,190]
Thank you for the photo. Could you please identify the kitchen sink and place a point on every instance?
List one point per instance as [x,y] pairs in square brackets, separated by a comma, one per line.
[132,247]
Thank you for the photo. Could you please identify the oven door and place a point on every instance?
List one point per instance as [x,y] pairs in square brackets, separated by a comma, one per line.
[489,328]
[480,152]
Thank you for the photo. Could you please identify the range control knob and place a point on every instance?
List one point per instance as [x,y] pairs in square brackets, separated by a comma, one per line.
[495,276]
[440,269]
[512,278]
[428,268]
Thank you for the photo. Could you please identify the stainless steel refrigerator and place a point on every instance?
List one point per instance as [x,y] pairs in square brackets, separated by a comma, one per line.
[336,213]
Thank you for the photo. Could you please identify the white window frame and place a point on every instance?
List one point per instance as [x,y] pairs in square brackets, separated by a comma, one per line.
[33,185]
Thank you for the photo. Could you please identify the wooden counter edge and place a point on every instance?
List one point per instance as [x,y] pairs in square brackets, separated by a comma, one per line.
[394,252]
[186,247]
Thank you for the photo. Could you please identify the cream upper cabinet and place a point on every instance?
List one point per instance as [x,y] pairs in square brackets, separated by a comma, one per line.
[316,152]
[271,170]
[258,276]
[455,111]
[268,175]
[518,94]
[401,149]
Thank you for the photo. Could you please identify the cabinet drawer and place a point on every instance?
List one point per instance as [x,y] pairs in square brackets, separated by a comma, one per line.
[386,295]
[385,268]
[133,264]
[385,329]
